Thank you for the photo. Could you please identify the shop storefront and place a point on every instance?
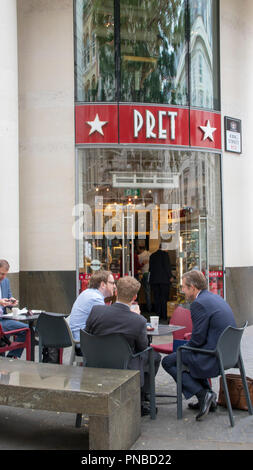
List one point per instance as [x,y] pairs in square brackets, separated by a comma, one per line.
[148,137]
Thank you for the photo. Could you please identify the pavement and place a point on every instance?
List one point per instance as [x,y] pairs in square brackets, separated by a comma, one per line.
[213,433]
[22,429]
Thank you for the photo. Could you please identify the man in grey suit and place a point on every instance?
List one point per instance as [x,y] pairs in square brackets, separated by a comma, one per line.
[122,318]
[6,300]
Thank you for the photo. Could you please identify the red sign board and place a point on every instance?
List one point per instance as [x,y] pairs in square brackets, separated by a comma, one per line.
[153,125]
[87,276]
[205,129]
[97,124]
[216,273]
[148,125]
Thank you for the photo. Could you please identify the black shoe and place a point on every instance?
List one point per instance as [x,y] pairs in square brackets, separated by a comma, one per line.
[145,410]
[205,404]
[195,406]
[146,397]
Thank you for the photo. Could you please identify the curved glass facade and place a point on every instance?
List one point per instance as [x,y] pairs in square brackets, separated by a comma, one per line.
[147,51]
[148,147]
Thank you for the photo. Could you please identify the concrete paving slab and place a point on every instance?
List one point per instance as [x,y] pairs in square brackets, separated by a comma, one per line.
[22,429]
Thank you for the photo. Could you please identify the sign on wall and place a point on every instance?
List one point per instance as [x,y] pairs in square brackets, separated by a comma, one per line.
[233,135]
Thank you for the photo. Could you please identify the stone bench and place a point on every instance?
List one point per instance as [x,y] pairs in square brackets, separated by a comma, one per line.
[111,398]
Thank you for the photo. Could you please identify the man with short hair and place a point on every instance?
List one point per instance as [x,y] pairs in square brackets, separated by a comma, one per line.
[120,318]
[210,316]
[101,285]
[6,300]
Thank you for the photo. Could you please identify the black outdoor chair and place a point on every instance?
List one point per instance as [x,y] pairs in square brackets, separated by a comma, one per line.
[53,332]
[228,353]
[113,352]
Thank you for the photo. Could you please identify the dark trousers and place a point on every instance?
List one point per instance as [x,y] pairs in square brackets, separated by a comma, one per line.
[190,385]
[161,297]
[146,288]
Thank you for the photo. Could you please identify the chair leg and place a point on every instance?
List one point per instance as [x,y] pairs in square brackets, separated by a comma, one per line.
[179,385]
[226,392]
[40,350]
[164,395]
[60,355]
[245,385]
[152,385]
[28,345]
[72,355]
[78,420]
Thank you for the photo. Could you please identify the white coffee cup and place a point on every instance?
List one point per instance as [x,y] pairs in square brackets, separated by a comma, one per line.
[15,312]
[154,322]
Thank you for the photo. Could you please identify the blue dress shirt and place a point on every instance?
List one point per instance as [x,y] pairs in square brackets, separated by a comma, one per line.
[82,308]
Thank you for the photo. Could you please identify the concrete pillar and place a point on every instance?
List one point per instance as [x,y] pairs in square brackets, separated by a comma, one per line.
[47,154]
[9,166]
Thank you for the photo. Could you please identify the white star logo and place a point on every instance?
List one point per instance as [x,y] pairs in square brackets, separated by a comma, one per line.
[208,131]
[96,125]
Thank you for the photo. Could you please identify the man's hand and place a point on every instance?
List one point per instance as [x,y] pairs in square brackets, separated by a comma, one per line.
[4,302]
[12,302]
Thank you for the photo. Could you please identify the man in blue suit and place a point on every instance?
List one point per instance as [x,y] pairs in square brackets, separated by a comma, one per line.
[210,316]
[6,300]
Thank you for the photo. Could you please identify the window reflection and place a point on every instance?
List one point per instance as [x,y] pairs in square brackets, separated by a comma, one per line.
[154,52]
[152,45]
[204,53]
[95,56]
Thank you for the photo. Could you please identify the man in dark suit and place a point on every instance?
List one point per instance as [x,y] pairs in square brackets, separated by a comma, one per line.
[122,317]
[210,316]
[6,300]
[160,278]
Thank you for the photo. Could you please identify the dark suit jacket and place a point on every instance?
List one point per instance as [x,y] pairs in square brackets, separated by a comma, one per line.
[6,290]
[210,316]
[160,268]
[118,318]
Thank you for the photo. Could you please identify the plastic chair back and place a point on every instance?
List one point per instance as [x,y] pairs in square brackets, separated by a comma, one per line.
[181,316]
[73,357]
[229,346]
[53,331]
[106,352]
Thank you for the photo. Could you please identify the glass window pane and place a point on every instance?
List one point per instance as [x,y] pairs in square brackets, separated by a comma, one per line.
[131,198]
[94,50]
[153,51]
[204,56]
